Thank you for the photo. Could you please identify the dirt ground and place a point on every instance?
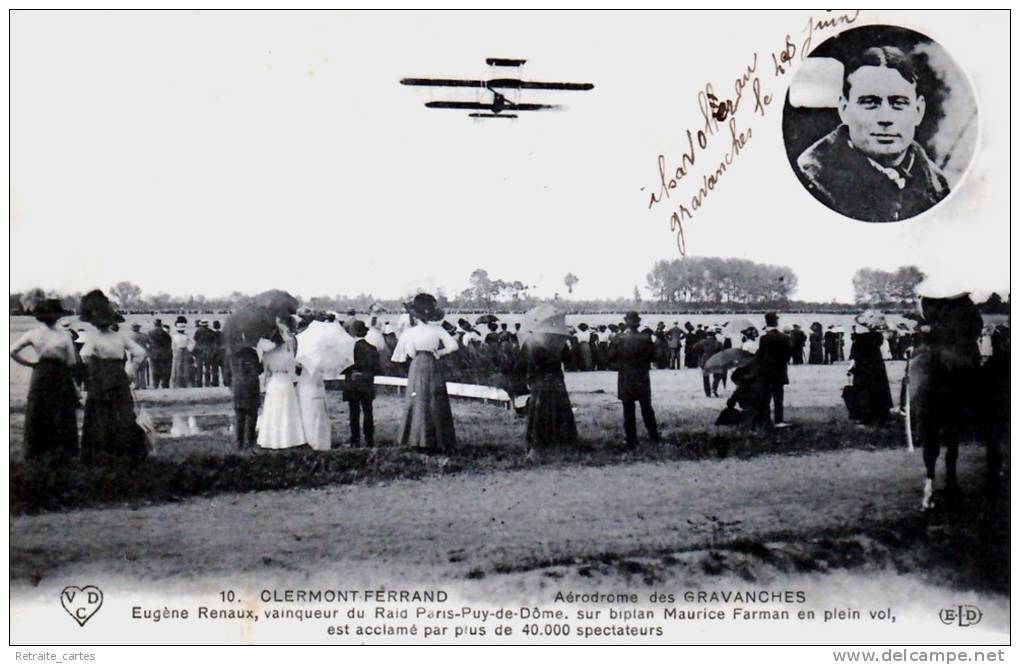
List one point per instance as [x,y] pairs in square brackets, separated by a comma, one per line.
[469,526]
[768,518]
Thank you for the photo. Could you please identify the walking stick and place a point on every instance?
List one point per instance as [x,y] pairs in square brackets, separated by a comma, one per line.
[910,433]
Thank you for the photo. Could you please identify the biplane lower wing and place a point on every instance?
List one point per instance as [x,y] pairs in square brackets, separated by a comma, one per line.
[479,106]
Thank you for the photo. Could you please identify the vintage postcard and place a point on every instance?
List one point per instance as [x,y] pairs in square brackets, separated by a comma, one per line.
[493,328]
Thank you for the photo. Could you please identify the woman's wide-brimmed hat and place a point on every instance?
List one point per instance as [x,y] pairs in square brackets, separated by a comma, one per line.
[871,318]
[425,308]
[96,308]
[50,309]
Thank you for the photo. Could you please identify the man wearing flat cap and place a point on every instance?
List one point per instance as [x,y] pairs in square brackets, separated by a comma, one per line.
[632,353]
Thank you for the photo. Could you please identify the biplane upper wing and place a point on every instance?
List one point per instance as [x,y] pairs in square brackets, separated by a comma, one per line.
[506,84]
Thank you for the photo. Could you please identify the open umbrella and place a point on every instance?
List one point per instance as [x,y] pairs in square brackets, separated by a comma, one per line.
[545,318]
[486,318]
[247,326]
[546,326]
[325,347]
[278,303]
[257,318]
[734,327]
[726,360]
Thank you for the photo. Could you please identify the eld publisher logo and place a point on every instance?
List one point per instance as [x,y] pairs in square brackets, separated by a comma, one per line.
[961,615]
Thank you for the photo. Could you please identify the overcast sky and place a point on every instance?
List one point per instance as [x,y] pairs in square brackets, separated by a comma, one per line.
[203,152]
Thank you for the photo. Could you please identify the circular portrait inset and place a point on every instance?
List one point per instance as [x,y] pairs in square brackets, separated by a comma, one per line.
[879,123]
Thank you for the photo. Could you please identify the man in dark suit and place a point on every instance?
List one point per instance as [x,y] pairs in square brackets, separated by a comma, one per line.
[218,364]
[206,343]
[774,350]
[359,385]
[160,355]
[676,342]
[830,341]
[632,353]
[705,349]
[798,339]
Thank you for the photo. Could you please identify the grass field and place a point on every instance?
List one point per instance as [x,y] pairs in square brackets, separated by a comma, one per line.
[710,504]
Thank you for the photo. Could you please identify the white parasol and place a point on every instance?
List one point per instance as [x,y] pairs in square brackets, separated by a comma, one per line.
[325,347]
[545,326]
[375,337]
[734,328]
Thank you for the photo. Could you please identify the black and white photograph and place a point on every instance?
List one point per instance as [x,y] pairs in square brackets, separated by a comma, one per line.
[511,328]
[898,118]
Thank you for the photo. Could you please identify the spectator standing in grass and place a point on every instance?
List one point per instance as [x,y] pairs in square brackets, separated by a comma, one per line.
[359,386]
[51,426]
[245,369]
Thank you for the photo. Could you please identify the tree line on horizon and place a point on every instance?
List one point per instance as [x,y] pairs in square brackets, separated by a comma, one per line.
[692,284]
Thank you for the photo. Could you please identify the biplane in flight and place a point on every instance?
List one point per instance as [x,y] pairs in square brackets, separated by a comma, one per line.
[500,106]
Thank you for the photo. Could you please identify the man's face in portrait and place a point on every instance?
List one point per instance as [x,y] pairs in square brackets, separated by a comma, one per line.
[882,111]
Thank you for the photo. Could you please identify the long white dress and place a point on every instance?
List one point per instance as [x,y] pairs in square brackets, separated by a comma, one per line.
[311,391]
[280,425]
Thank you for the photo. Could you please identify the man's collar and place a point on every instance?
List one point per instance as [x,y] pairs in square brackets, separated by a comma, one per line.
[898,173]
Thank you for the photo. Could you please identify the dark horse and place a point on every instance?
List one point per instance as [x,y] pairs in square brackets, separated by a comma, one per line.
[951,392]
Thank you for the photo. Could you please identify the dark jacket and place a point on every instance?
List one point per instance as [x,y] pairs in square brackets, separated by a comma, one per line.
[245,368]
[631,354]
[798,338]
[160,344]
[206,341]
[774,351]
[676,338]
[844,179]
[359,380]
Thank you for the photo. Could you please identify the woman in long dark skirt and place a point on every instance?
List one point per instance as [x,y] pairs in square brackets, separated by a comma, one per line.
[428,419]
[513,376]
[872,397]
[550,416]
[110,429]
[815,340]
[51,426]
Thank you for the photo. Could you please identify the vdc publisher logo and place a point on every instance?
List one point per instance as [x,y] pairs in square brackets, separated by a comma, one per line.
[960,615]
[81,602]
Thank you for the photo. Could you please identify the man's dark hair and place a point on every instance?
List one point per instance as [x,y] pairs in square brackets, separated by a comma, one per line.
[879,56]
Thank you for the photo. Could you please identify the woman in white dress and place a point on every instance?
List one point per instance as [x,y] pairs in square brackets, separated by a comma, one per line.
[311,392]
[280,426]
